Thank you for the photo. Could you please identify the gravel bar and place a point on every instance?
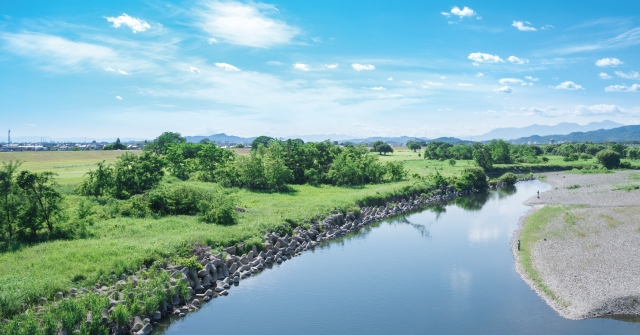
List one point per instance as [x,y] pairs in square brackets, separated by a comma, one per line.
[588,256]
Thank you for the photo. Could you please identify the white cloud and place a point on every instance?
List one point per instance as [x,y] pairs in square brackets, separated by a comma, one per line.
[194,70]
[123,72]
[331,66]
[569,85]
[465,85]
[516,60]
[608,62]
[407,81]
[461,13]
[595,110]
[478,57]
[631,75]
[363,67]
[227,67]
[275,63]
[212,41]
[547,27]
[301,66]
[622,88]
[433,84]
[136,25]
[244,24]
[505,81]
[118,97]
[390,79]
[531,78]
[523,26]
[443,77]
[479,74]
[604,75]
[109,69]
[30,125]
[504,89]
[392,96]
[378,88]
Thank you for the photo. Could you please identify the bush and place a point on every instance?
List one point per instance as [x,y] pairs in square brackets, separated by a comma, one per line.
[625,165]
[219,209]
[182,200]
[472,178]
[571,157]
[585,156]
[508,178]
[608,158]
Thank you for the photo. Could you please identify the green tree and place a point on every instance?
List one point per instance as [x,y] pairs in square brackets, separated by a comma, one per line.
[161,144]
[181,159]
[633,154]
[261,140]
[9,198]
[619,148]
[395,171]
[608,158]
[381,148]
[482,156]
[115,146]
[205,140]
[452,162]
[500,151]
[211,158]
[97,183]
[472,178]
[413,146]
[40,188]
[136,174]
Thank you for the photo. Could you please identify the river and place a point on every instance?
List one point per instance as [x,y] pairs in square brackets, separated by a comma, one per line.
[445,270]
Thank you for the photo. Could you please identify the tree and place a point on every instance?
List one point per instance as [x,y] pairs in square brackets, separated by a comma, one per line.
[413,146]
[39,188]
[9,198]
[472,178]
[264,140]
[452,162]
[136,174]
[633,154]
[608,158]
[205,140]
[97,183]
[161,144]
[381,147]
[500,151]
[482,156]
[619,148]
[115,146]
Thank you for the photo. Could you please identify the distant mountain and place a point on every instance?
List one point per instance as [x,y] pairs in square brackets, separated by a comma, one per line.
[620,134]
[221,138]
[542,130]
[390,140]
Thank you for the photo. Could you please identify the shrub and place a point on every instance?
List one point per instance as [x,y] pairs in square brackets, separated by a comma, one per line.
[472,178]
[508,178]
[585,156]
[219,209]
[182,200]
[608,158]
[625,165]
[571,157]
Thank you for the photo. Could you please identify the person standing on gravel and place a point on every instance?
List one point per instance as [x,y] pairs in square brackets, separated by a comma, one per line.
[538,194]
[518,245]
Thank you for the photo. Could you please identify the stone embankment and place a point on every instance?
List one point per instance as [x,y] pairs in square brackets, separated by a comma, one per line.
[221,271]
[586,253]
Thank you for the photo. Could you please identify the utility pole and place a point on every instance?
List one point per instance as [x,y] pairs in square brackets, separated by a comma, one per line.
[9,137]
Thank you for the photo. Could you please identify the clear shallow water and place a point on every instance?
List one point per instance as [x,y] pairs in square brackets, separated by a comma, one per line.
[440,271]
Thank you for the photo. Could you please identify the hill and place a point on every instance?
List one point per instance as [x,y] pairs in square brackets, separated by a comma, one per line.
[544,130]
[620,134]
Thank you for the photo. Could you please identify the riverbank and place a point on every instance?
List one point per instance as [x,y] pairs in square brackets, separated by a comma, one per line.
[579,244]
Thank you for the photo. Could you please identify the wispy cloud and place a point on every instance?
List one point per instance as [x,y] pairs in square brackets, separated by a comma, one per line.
[547,27]
[479,57]
[331,66]
[516,60]
[622,88]
[569,85]
[212,41]
[479,74]
[622,40]
[465,85]
[460,13]
[118,97]
[379,88]
[531,78]
[604,75]
[274,63]
[245,24]
[227,67]
[504,89]
[505,81]
[523,26]
[608,62]
[631,75]
[363,67]
[136,25]
[194,70]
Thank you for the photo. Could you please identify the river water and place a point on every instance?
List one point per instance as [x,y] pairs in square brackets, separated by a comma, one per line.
[446,270]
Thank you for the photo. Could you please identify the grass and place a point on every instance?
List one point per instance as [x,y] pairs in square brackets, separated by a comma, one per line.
[593,171]
[627,187]
[572,187]
[532,231]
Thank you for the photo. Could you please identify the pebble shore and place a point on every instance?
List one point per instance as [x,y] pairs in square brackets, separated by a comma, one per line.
[588,256]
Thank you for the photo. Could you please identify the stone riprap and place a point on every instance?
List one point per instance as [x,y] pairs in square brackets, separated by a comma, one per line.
[587,255]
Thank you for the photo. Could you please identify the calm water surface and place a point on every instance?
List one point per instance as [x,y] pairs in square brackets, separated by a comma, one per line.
[446,270]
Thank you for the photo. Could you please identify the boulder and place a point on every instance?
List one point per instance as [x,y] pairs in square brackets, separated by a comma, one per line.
[157,315]
[137,324]
[105,316]
[89,318]
[146,330]
[230,250]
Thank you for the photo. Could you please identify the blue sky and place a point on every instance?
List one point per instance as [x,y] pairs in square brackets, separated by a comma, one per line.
[359,68]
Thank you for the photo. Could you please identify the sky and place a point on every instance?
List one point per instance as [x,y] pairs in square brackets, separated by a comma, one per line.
[105,69]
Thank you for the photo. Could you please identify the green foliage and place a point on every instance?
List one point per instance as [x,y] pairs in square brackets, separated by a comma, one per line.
[190,262]
[115,146]
[572,157]
[482,156]
[161,144]
[99,182]
[39,189]
[395,171]
[381,148]
[608,158]
[219,209]
[412,145]
[263,169]
[508,178]
[633,154]
[452,162]
[472,178]
[500,151]
[136,174]
[354,166]
[261,141]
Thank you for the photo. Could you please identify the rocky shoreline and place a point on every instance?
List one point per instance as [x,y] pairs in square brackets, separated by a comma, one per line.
[587,253]
[221,272]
